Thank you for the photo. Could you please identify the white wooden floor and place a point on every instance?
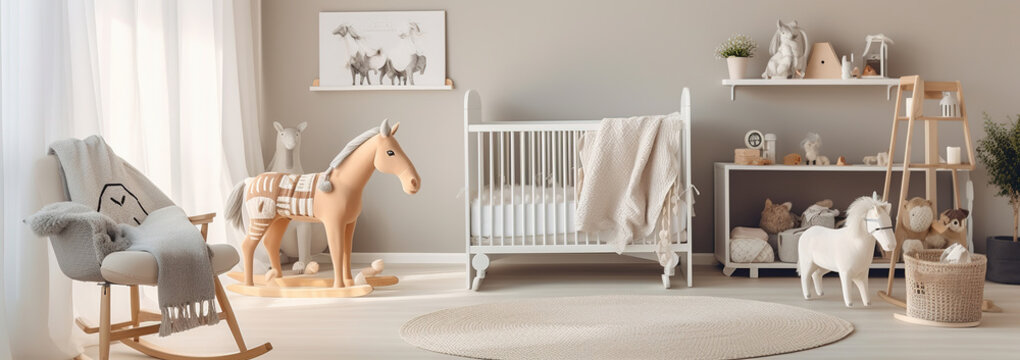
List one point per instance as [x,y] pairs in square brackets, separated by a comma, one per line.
[368,327]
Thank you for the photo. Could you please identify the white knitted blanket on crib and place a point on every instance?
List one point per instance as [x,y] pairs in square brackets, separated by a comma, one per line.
[629,167]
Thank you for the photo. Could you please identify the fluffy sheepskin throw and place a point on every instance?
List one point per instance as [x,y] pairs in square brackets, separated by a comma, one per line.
[81,237]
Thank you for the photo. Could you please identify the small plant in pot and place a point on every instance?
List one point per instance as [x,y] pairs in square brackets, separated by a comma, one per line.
[999,151]
[736,50]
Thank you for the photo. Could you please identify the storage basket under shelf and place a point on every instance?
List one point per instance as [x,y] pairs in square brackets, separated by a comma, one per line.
[944,294]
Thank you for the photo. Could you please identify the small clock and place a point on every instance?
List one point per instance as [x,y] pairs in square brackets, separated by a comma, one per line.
[754,139]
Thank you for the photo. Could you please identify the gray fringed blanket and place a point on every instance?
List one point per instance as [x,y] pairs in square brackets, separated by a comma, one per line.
[187,294]
[98,178]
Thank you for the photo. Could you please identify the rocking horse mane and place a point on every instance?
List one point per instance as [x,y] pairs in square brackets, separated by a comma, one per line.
[858,211]
[327,186]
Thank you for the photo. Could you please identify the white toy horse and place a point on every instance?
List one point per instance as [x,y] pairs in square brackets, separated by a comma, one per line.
[288,160]
[847,250]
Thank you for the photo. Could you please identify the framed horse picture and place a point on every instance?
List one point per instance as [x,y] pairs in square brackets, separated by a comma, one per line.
[399,50]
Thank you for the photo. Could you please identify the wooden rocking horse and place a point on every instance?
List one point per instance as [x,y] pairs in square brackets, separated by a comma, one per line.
[271,200]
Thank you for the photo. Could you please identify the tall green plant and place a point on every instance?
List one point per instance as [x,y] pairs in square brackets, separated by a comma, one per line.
[999,151]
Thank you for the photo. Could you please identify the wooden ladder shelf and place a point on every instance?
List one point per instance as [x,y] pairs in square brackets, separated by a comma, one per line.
[921,91]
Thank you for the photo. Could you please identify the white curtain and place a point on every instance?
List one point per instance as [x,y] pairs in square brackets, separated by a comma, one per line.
[171,85]
[5,341]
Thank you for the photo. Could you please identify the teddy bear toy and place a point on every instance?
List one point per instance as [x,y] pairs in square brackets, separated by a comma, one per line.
[949,229]
[914,223]
[776,218]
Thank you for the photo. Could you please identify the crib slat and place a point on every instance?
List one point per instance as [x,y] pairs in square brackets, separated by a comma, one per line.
[557,171]
[502,179]
[513,204]
[544,224]
[563,183]
[534,210]
[552,186]
[562,176]
[573,182]
[559,179]
[479,172]
[520,157]
[492,198]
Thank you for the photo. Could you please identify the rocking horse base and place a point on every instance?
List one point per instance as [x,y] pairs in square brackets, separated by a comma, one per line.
[374,281]
[297,281]
[301,292]
[307,287]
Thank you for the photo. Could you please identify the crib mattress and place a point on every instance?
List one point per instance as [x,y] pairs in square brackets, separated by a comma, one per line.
[570,238]
[522,219]
[531,219]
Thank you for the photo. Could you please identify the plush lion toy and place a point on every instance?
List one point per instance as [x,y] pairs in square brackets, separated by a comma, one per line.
[915,221]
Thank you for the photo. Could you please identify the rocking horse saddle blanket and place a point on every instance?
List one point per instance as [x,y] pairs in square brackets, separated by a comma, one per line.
[96,177]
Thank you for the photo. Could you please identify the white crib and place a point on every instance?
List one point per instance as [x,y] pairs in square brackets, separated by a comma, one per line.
[519,179]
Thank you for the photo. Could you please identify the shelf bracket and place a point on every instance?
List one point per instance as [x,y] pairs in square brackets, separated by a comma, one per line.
[888,92]
[733,92]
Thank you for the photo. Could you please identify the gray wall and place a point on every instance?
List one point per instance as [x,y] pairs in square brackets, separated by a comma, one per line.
[576,60]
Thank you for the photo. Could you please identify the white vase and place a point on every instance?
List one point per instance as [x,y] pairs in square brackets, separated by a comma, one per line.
[738,66]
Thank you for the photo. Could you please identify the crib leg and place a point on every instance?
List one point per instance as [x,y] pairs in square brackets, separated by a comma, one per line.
[480,262]
[669,270]
[673,263]
[689,269]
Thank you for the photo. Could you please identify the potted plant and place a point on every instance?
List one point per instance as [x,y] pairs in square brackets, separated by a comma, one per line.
[736,50]
[999,151]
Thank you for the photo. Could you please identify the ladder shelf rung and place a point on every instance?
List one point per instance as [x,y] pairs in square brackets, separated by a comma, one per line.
[933,118]
[942,166]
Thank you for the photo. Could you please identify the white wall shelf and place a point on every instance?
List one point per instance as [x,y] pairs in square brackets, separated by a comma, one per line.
[379,88]
[888,83]
[723,201]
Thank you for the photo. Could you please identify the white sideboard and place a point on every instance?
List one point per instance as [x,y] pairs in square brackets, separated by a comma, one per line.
[723,202]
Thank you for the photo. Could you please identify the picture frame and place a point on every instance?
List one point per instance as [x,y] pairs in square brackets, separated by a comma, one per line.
[382,50]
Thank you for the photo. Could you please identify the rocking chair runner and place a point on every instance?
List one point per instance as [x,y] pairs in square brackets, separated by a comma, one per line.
[134,268]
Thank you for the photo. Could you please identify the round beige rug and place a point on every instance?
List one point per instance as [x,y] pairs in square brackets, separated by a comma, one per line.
[624,327]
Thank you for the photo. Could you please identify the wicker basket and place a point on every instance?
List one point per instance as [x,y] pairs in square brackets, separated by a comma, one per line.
[944,293]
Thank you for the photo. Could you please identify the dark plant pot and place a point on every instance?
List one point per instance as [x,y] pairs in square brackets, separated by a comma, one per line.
[1003,260]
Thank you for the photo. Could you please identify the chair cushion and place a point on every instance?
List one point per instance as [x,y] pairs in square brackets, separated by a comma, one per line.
[139,267]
